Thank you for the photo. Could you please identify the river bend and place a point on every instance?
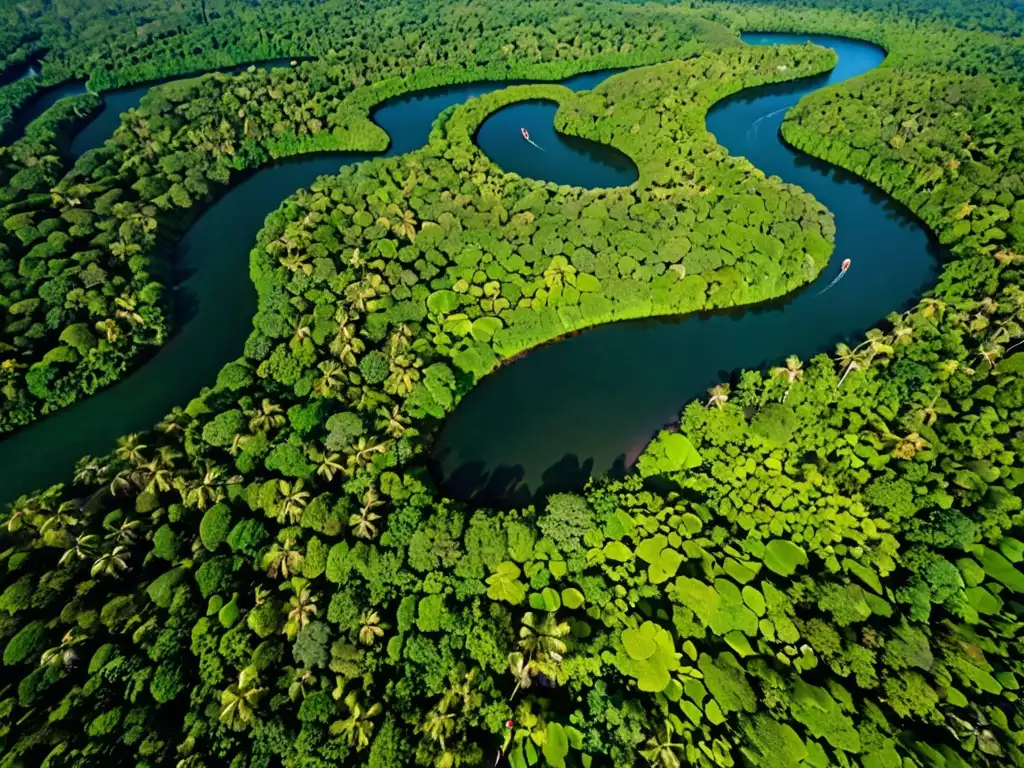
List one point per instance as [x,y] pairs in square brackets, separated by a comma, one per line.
[589,404]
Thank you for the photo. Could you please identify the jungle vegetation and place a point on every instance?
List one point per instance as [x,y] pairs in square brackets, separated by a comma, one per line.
[819,565]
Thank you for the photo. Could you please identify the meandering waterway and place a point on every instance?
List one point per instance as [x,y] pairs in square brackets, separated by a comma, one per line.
[586,405]
[215,300]
[590,403]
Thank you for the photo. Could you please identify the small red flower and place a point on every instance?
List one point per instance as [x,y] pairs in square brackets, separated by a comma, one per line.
[509,723]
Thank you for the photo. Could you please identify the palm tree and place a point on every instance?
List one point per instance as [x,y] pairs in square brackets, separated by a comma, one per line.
[661,751]
[174,422]
[64,655]
[123,532]
[283,561]
[130,449]
[439,724]
[543,635]
[362,523]
[932,308]
[792,372]
[405,225]
[268,416]
[300,679]
[301,608]
[559,273]
[297,261]
[21,513]
[59,520]
[328,464]
[83,547]
[157,477]
[209,490]
[88,471]
[111,563]
[990,352]
[293,500]
[392,422]
[522,670]
[364,450]
[126,305]
[719,395]
[370,627]
[238,702]
[329,380]
[358,727]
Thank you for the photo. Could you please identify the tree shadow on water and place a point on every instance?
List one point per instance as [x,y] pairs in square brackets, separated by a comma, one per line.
[506,487]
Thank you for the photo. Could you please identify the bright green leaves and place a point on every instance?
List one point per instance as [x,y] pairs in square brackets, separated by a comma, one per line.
[663,562]
[556,745]
[668,452]
[434,394]
[440,303]
[823,717]
[999,568]
[719,607]
[572,598]
[545,600]
[727,682]
[504,584]
[485,327]
[616,550]
[458,324]
[784,557]
[587,283]
[650,656]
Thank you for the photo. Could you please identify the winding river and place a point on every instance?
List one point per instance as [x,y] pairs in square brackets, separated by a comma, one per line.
[215,300]
[584,406]
[589,404]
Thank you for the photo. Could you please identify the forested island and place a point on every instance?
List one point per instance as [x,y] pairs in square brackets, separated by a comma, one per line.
[817,564]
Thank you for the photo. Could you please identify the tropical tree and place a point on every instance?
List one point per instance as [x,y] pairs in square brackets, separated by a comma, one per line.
[370,627]
[542,635]
[327,464]
[791,372]
[357,727]
[522,670]
[282,560]
[82,548]
[111,563]
[293,500]
[64,655]
[267,416]
[363,522]
[301,608]
[661,751]
[239,701]
[718,395]
[130,448]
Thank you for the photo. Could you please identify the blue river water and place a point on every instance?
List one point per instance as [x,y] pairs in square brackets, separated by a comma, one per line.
[215,300]
[589,404]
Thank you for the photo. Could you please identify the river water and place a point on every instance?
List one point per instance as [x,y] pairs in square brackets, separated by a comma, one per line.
[584,406]
[215,300]
[589,404]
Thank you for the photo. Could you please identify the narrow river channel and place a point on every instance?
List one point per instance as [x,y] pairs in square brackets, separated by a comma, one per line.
[214,298]
[589,404]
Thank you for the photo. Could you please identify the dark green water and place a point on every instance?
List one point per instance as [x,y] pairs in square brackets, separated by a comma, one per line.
[553,156]
[214,298]
[589,404]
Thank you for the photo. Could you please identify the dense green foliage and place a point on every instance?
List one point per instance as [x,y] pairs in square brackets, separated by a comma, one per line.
[819,566]
[83,267]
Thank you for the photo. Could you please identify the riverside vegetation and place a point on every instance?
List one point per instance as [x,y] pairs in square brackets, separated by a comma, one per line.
[818,566]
